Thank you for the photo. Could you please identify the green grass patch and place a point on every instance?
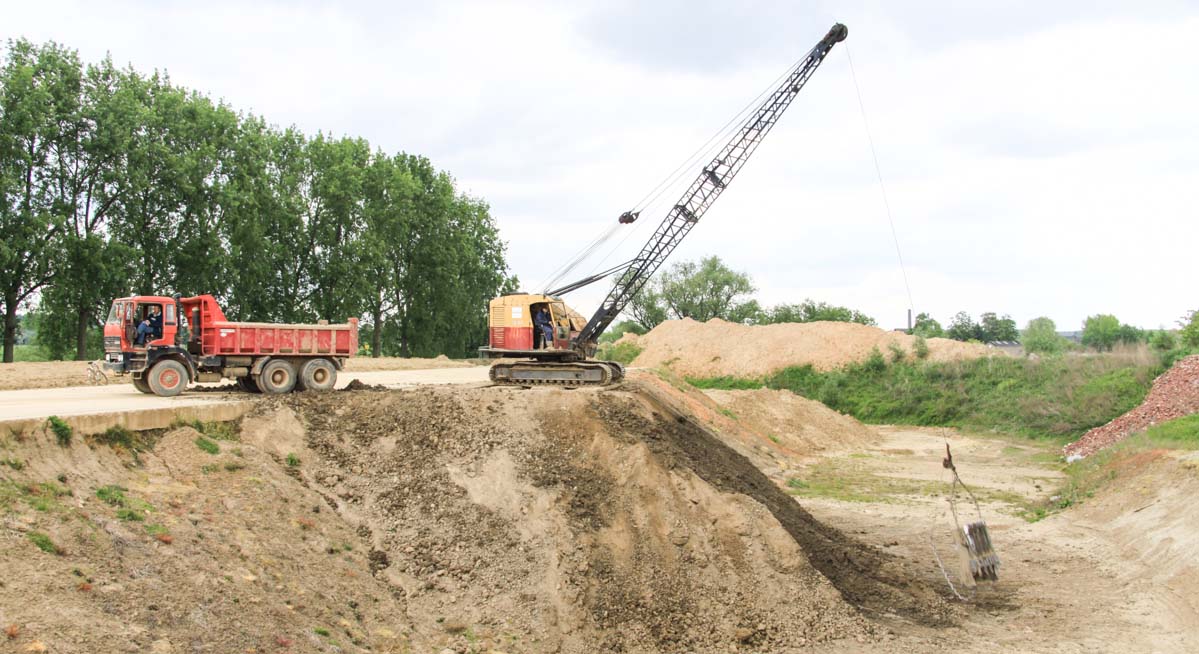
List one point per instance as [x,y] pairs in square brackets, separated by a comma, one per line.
[30,352]
[62,431]
[619,352]
[15,464]
[43,543]
[1182,432]
[1057,397]
[293,461]
[207,445]
[116,496]
[130,515]
[156,530]
[215,429]
[321,631]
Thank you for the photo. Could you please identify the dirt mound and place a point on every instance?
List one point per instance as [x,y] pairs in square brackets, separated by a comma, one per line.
[474,519]
[1174,394]
[798,424]
[716,347]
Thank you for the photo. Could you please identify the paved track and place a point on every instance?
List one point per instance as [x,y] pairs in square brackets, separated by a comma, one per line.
[41,403]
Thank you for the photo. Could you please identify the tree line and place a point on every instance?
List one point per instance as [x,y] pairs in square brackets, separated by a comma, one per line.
[114,182]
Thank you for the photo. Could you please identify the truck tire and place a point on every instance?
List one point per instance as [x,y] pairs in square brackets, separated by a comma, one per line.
[277,376]
[142,385]
[248,384]
[167,378]
[317,375]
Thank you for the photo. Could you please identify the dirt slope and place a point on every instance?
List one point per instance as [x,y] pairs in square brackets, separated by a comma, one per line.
[801,425]
[475,519]
[716,347]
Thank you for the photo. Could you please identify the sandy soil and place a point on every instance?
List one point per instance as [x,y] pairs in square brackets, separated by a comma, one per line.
[59,374]
[716,347]
[1115,575]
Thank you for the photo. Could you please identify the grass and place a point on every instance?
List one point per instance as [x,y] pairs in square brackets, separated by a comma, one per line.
[321,631]
[293,461]
[207,445]
[1182,432]
[1056,397]
[848,480]
[15,464]
[43,543]
[221,431]
[30,353]
[128,508]
[62,431]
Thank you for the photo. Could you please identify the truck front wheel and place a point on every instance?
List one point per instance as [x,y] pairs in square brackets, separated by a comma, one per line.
[142,385]
[317,375]
[277,376]
[167,378]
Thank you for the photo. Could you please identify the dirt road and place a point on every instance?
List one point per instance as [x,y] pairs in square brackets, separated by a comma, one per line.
[36,404]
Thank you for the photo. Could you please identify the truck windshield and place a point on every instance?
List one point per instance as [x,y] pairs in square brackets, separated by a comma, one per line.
[114,313]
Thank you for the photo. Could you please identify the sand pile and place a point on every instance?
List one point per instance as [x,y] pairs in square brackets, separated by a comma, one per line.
[796,423]
[1174,394]
[715,348]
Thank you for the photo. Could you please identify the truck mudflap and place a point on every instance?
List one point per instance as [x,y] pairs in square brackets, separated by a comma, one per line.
[580,373]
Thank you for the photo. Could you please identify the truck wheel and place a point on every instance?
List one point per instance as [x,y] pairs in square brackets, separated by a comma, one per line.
[248,384]
[142,385]
[317,375]
[277,376]
[167,378]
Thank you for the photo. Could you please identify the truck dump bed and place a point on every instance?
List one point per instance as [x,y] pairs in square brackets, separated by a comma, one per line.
[253,338]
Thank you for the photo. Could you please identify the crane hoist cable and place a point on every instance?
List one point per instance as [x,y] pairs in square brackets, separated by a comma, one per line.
[653,197]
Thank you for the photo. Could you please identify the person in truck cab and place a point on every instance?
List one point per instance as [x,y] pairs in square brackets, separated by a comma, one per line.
[150,328]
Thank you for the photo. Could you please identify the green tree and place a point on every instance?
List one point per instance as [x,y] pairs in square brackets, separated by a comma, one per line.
[1041,337]
[647,307]
[1163,341]
[1101,332]
[705,290]
[812,311]
[963,328]
[1190,330]
[620,329]
[994,329]
[927,326]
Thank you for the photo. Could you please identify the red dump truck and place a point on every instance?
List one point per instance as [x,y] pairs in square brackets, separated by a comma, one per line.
[166,343]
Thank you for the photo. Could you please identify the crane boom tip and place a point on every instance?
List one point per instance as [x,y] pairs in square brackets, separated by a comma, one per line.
[837,34]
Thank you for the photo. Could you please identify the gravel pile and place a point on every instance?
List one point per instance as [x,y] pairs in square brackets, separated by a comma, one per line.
[1174,394]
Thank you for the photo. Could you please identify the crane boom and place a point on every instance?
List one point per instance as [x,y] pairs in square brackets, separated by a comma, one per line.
[702,193]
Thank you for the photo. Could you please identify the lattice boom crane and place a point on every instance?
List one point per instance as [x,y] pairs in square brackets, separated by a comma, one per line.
[563,358]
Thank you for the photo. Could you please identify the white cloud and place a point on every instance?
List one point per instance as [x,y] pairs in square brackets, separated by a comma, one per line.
[1040,160]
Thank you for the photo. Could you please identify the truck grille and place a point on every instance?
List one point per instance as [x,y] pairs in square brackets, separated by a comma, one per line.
[112,343]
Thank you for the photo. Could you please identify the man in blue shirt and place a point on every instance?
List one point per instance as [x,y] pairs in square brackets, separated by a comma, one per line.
[545,324]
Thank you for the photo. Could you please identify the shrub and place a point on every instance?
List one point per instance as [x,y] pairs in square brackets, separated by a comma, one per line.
[1041,337]
[897,353]
[1101,332]
[117,435]
[293,461]
[1163,341]
[920,348]
[875,362]
[207,445]
[62,431]
[1190,330]
[620,352]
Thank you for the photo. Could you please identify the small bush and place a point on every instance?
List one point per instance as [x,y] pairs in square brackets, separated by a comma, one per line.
[897,353]
[619,352]
[207,445]
[875,362]
[62,431]
[117,435]
[321,631]
[293,461]
[920,348]
[113,495]
[1163,341]
[44,543]
[15,464]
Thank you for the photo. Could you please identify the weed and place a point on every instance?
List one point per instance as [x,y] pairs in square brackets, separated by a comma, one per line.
[62,431]
[207,445]
[728,413]
[117,435]
[113,495]
[897,352]
[293,461]
[209,468]
[221,431]
[773,438]
[234,466]
[130,515]
[15,464]
[321,631]
[44,543]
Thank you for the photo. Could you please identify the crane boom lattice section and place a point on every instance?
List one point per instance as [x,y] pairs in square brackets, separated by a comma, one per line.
[708,186]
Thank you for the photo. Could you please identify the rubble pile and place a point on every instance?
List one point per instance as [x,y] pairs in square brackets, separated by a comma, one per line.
[1174,394]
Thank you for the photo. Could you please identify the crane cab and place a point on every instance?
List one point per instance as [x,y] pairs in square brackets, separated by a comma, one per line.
[511,332]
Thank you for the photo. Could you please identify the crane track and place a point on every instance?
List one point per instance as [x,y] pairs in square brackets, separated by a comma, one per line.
[537,373]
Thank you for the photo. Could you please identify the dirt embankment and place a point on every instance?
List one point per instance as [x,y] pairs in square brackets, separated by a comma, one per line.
[475,519]
[716,347]
[60,374]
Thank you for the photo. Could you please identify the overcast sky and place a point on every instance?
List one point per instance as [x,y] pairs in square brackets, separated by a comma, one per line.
[1041,158]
